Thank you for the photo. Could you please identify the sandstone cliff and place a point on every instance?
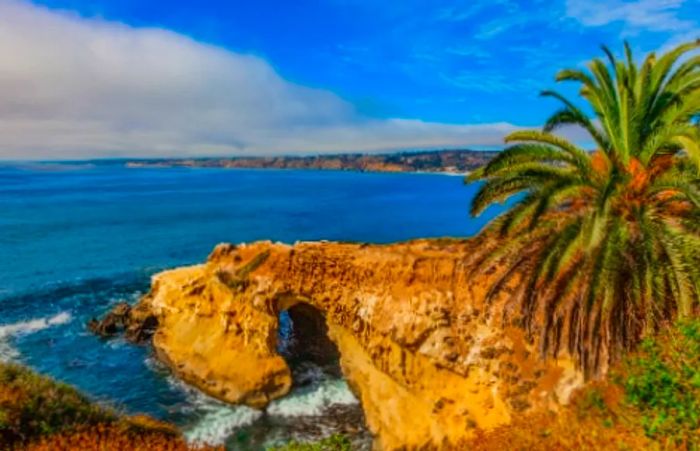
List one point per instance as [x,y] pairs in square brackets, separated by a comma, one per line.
[419,347]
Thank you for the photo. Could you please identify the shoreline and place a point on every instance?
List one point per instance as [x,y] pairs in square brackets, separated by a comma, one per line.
[318,169]
[452,162]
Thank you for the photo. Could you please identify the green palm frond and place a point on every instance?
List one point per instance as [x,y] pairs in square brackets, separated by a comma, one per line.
[607,242]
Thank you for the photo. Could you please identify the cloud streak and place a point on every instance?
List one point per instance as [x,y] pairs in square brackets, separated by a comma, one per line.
[73,87]
[650,15]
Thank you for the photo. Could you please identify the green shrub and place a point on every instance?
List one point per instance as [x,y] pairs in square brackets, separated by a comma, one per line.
[40,414]
[33,406]
[662,381]
[335,442]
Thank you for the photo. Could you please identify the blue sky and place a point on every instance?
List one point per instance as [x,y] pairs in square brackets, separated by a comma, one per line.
[436,62]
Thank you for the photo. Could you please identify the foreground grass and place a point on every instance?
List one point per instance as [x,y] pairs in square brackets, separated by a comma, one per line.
[38,413]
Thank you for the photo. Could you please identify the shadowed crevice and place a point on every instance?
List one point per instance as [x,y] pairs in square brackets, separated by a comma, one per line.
[304,340]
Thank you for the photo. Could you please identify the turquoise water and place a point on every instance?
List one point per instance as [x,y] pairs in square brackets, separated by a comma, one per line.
[76,239]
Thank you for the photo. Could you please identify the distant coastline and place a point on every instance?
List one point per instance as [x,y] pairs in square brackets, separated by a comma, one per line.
[453,162]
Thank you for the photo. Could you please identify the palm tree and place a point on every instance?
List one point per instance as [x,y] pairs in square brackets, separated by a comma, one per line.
[607,242]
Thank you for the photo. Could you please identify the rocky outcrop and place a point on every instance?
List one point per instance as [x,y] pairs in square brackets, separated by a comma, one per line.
[427,357]
[137,324]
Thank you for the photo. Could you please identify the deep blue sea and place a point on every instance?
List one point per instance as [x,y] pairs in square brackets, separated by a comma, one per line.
[77,238]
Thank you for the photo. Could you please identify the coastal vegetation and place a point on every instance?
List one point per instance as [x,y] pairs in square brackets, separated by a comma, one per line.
[662,382]
[606,243]
[38,413]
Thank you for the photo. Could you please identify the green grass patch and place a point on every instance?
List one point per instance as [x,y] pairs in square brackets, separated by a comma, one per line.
[335,442]
[32,406]
[662,381]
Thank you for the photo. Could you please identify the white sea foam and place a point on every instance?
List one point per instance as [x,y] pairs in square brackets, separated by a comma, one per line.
[35,325]
[311,401]
[7,352]
[220,423]
[7,331]
[217,420]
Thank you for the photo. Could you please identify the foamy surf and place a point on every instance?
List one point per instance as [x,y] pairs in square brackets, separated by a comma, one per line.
[217,421]
[312,401]
[220,423]
[7,352]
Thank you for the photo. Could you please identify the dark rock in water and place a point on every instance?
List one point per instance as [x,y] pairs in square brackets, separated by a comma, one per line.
[137,324]
[140,332]
[114,322]
[142,324]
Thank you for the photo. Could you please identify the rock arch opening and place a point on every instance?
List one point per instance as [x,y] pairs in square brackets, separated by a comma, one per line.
[304,343]
[320,402]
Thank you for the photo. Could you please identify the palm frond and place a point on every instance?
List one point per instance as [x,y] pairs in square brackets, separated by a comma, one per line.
[607,243]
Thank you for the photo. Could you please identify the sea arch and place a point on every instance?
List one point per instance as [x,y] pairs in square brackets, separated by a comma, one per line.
[427,359]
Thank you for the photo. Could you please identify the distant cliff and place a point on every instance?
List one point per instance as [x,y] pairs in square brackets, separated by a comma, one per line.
[452,161]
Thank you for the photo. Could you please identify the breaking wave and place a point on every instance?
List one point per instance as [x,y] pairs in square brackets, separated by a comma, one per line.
[319,391]
[216,421]
[7,331]
[220,423]
[312,401]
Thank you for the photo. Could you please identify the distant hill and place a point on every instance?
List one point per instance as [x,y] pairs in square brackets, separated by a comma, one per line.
[451,161]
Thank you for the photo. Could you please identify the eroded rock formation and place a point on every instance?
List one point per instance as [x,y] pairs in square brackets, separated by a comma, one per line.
[419,347]
[137,324]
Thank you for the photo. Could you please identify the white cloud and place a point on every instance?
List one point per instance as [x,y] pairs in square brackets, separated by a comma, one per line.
[636,15]
[73,87]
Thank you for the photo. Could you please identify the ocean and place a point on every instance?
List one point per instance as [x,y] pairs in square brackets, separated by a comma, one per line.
[77,238]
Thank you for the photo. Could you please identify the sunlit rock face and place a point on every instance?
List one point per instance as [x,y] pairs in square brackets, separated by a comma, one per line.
[427,357]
